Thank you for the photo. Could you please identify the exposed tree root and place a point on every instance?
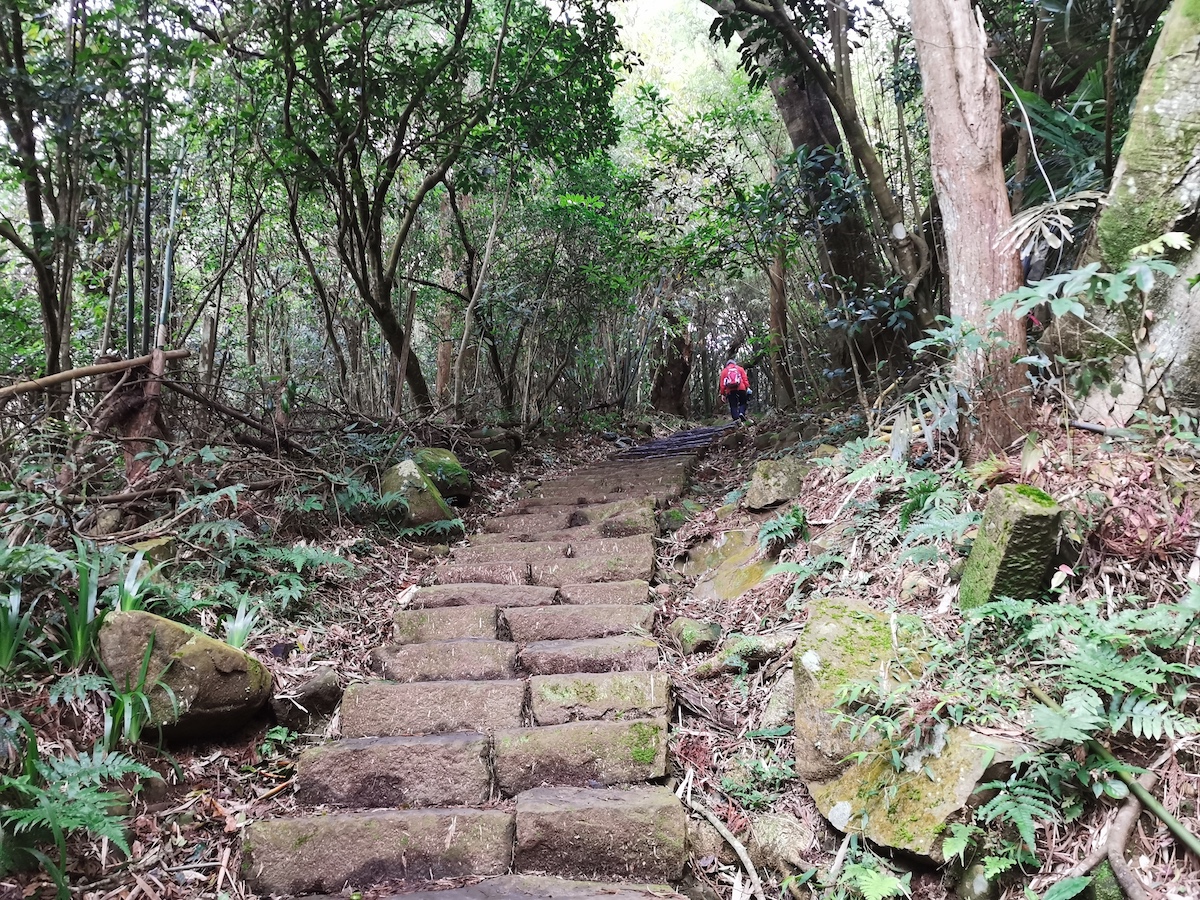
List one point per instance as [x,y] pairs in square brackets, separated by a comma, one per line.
[738,848]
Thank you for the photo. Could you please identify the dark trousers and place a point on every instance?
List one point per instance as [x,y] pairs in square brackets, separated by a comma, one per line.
[737,404]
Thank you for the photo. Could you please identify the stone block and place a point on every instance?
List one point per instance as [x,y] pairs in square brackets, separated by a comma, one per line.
[1015,545]
[382,708]
[446,661]
[329,853]
[555,699]
[776,481]
[522,551]
[580,753]
[309,703]
[482,594]
[448,623]
[436,770]
[692,636]
[623,653]
[633,833]
[423,504]
[446,472]
[625,593]
[550,623]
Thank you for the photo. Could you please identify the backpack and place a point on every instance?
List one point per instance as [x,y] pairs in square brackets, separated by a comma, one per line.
[732,380]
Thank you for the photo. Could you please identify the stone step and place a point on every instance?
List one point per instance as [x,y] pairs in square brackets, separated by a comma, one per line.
[298,855]
[514,551]
[447,623]
[632,833]
[579,754]
[555,699]
[469,660]
[568,515]
[623,653]
[516,572]
[551,623]
[437,770]
[482,594]
[544,887]
[605,592]
[549,551]
[624,559]
[385,709]
[660,495]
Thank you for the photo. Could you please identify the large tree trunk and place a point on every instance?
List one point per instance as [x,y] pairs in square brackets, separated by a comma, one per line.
[669,394]
[809,120]
[962,107]
[1155,190]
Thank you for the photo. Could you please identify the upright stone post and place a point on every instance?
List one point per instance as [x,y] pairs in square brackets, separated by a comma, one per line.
[1016,543]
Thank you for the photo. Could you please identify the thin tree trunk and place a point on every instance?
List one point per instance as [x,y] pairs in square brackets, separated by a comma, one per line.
[1028,84]
[785,390]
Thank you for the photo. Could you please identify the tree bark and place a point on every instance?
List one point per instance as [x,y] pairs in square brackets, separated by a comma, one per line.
[668,394]
[962,107]
[785,389]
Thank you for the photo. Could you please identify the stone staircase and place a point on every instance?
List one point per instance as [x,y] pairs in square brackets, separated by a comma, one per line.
[520,725]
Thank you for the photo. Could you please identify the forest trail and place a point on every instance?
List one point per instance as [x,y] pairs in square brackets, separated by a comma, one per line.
[520,724]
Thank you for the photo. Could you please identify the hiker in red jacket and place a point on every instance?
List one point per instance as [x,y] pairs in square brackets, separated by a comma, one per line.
[734,385]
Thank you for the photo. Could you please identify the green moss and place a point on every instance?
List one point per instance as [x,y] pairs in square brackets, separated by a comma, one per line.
[643,742]
[1035,494]
[1131,222]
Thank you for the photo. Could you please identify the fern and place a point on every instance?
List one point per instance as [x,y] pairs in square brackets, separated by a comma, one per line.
[1022,803]
[212,533]
[778,532]
[875,884]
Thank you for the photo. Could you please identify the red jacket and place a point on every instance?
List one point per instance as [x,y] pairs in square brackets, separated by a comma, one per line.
[735,374]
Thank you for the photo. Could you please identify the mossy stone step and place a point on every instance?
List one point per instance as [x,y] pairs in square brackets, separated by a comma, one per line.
[482,594]
[579,754]
[384,708]
[437,770]
[300,855]
[467,660]
[631,833]
[448,623]
[544,887]
[624,593]
[555,699]
[519,551]
[549,623]
[623,653]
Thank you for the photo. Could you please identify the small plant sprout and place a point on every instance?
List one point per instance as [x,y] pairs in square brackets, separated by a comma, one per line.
[132,589]
[13,629]
[80,624]
[239,626]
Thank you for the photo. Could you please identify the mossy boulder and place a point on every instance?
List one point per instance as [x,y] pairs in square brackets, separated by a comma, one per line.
[910,809]
[845,640]
[775,481]
[693,636]
[197,686]
[447,474]
[1012,553]
[422,500]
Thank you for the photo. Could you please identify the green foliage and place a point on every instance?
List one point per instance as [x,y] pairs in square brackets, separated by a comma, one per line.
[781,530]
[14,629]
[81,620]
[55,797]
[239,626]
[759,782]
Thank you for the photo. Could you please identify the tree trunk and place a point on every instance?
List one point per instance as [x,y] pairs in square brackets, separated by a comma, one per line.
[669,391]
[1154,190]
[962,107]
[810,123]
[785,390]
